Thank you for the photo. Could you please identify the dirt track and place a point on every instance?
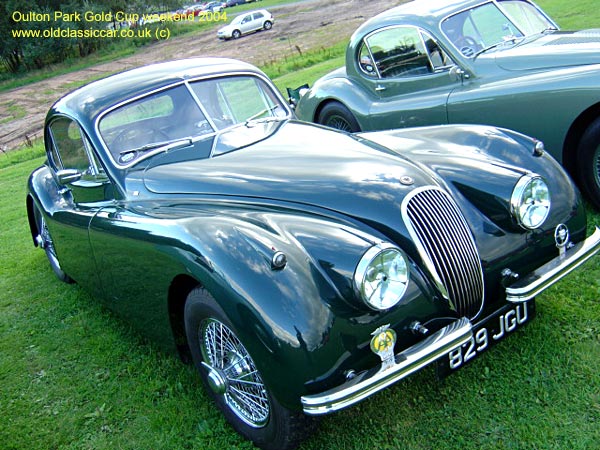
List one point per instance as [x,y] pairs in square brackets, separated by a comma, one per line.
[298,26]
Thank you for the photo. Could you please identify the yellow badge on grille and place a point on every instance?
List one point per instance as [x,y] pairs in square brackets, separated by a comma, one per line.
[382,344]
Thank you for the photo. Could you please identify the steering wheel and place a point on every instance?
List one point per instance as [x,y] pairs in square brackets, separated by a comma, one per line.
[467,45]
[136,137]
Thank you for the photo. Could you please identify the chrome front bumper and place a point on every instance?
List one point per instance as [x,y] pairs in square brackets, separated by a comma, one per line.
[378,378]
[447,339]
[548,274]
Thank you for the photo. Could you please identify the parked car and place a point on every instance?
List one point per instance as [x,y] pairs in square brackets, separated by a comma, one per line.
[502,63]
[247,23]
[303,268]
[214,6]
[230,3]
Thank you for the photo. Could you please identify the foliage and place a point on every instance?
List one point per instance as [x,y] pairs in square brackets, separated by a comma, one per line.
[21,54]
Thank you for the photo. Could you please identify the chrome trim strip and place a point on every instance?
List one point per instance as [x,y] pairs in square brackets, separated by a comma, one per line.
[409,361]
[551,272]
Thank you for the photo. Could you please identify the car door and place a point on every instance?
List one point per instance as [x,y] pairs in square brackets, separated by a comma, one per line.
[257,20]
[82,188]
[408,75]
[246,24]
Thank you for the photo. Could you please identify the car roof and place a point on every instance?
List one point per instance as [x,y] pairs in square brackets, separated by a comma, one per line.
[89,101]
[426,13]
[415,12]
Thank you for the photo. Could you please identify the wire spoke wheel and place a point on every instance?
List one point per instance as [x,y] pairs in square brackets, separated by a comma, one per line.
[596,165]
[242,387]
[340,123]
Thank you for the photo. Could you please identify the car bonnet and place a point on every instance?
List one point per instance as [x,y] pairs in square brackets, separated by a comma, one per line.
[555,50]
[300,163]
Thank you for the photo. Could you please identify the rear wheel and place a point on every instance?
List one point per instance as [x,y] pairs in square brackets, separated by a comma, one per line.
[233,380]
[336,115]
[588,163]
[44,241]
[268,25]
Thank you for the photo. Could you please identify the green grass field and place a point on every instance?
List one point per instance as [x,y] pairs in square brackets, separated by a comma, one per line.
[75,376]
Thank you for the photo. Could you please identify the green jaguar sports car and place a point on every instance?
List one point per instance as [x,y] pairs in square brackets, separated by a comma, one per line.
[502,62]
[302,269]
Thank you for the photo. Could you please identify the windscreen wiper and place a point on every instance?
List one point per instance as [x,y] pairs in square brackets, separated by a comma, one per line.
[163,145]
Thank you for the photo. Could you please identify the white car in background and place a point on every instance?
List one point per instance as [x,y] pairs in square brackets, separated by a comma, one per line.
[247,23]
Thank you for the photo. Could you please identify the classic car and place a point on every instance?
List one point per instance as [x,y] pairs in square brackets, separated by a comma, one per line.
[247,23]
[303,268]
[501,63]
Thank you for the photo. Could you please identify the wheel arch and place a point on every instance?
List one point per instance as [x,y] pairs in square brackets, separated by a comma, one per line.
[33,229]
[332,100]
[576,130]
[179,290]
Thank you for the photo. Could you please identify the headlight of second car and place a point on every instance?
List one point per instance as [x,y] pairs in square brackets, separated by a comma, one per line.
[381,276]
[530,201]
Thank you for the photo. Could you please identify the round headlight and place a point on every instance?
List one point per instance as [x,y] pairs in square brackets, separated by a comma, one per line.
[530,201]
[381,276]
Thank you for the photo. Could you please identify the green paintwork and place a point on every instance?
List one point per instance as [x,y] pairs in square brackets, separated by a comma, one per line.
[140,238]
[546,85]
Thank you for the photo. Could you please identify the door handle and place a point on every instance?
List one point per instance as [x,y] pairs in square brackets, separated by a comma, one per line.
[380,88]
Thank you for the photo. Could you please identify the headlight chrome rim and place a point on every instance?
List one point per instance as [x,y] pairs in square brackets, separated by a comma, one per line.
[388,282]
[530,201]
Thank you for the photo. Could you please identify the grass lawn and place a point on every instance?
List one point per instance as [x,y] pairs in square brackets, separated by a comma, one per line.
[75,376]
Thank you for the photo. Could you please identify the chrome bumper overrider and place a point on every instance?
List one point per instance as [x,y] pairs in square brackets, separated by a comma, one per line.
[548,274]
[378,378]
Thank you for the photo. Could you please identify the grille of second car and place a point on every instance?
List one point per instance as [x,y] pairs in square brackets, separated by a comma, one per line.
[447,246]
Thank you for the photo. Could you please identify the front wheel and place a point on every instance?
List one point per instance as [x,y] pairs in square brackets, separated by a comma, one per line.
[336,115]
[44,240]
[236,34]
[233,380]
[588,163]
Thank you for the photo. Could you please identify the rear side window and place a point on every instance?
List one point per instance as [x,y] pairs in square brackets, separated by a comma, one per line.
[68,146]
[395,52]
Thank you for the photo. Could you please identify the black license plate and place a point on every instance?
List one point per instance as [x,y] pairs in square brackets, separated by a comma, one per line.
[486,333]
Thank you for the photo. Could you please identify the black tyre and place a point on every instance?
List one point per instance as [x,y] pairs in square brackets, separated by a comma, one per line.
[233,381]
[336,115]
[588,163]
[44,241]
[236,34]
[268,25]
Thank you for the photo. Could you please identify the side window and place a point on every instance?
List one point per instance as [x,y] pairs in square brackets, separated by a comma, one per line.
[398,52]
[68,146]
[258,15]
[247,19]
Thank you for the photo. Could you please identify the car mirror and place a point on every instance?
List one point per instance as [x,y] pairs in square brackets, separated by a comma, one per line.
[67,176]
[295,94]
[458,74]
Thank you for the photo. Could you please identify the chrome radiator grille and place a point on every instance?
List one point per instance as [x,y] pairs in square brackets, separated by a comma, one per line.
[447,247]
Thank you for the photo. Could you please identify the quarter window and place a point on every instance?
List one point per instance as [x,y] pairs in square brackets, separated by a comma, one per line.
[68,146]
